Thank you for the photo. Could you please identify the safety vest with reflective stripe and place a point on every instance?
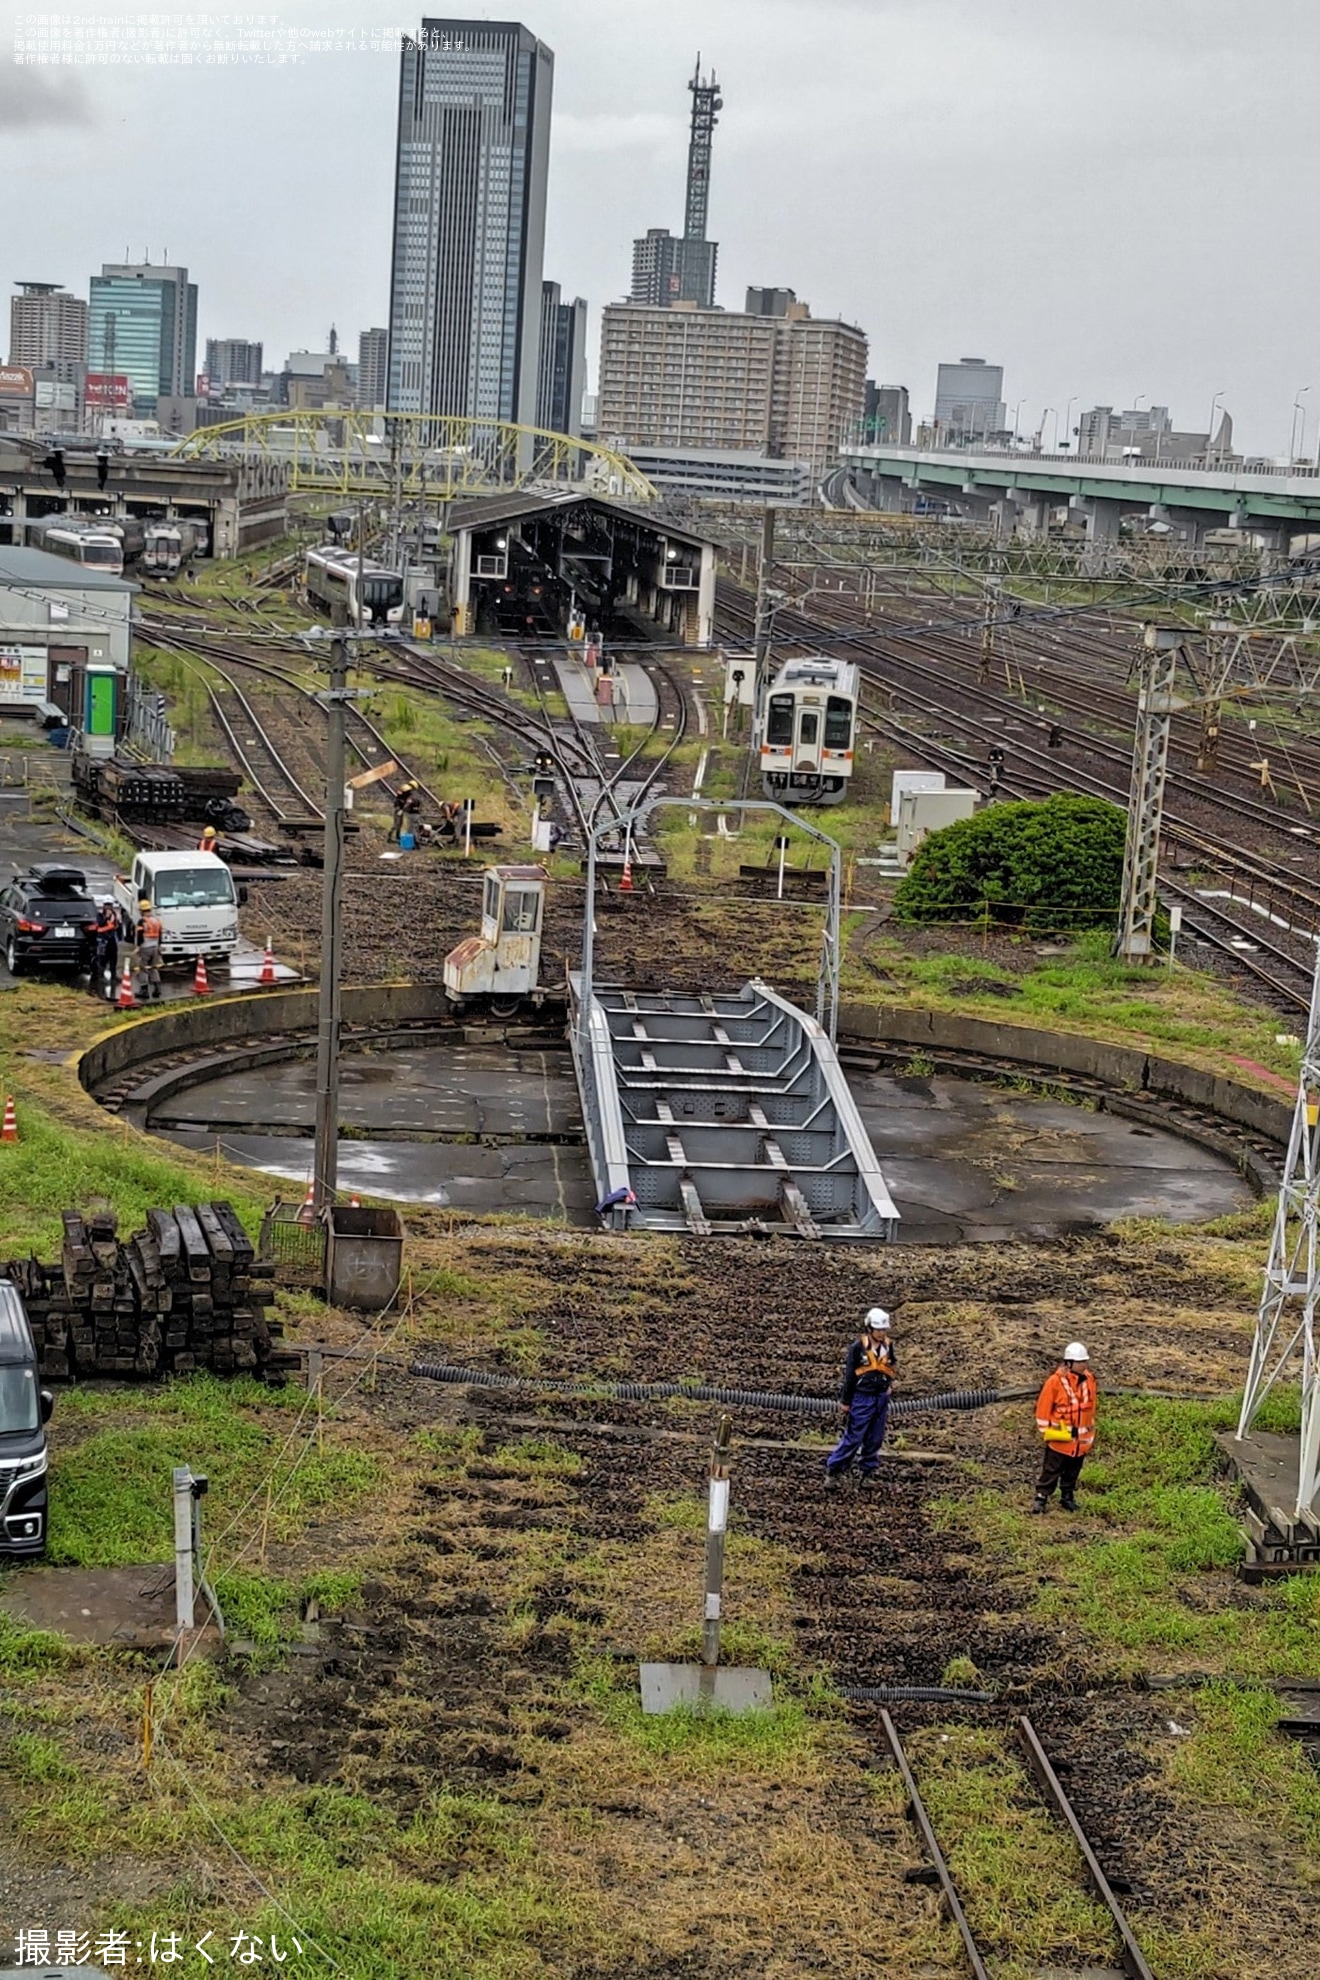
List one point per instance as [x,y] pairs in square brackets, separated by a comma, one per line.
[150,929]
[1065,1411]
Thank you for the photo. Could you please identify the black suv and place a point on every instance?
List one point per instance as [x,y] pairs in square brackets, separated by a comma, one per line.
[45,917]
[24,1410]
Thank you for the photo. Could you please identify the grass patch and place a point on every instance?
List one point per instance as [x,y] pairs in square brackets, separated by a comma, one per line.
[1156,1582]
[111,1499]
[1235,1760]
[1088,990]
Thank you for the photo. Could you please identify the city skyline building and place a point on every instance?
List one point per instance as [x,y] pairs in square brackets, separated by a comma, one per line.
[669,268]
[969,400]
[681,379]
[469,220]
[142,325]
[48,330]
[232,361]
[886,414]
[373,369]
[563,365]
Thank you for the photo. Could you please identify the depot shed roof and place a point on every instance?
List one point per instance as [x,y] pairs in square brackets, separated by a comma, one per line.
[39,570]
[489,511]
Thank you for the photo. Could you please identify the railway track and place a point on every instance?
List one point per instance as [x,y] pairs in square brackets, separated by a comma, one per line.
[1283,912]
[1129,1951]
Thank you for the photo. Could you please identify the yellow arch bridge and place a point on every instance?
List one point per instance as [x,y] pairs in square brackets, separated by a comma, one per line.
[418,455]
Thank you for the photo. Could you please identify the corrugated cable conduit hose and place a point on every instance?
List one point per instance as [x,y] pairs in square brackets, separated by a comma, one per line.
[902,1406]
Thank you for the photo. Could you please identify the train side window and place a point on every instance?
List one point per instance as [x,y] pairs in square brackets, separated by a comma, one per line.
[838,722]
[809,726]
[520,905]
[491,907]
[779,725]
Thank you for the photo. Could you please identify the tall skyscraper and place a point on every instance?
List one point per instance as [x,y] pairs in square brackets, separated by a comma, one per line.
[48,329]
[233,361]
[469,220]
[670,268]
[142,325]
[563,369]
[373,368]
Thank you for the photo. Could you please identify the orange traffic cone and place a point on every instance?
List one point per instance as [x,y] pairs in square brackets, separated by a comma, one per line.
[201,988]
[9,1132]
[125,1000]
[626,885]
[267,964]
[307,1215]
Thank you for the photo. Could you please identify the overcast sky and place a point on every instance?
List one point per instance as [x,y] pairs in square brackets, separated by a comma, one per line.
[1115,200]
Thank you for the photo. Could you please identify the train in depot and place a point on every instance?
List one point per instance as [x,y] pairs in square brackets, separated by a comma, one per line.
[82,541]
[809,732]
[339,580]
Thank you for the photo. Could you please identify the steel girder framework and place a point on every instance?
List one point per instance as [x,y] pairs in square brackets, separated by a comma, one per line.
[1156,704]
[411,455]
[1285,1323]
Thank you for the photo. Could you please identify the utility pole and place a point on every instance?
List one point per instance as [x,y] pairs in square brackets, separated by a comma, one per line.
[1207,748]
[1156,703]
[1286,1319]
[988,627]
[764,621]
[330,1004]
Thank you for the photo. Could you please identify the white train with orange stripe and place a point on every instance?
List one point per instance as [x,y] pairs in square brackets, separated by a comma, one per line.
[809,733]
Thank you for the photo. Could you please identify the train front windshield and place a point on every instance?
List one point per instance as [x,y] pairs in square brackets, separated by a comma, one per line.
[779,722]
[838,722]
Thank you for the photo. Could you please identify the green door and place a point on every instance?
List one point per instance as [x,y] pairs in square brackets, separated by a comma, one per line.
[100,704]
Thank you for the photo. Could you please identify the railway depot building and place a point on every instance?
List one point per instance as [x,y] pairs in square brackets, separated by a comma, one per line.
[59,623]
[538,557]
[237,504]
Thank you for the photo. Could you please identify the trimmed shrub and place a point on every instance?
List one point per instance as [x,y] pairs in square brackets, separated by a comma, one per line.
[1044,866]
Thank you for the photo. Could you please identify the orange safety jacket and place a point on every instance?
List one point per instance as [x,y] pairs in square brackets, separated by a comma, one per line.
[150,929]
[1065,1411]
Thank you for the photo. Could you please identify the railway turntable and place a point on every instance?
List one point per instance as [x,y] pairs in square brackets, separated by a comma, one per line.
[725,1111]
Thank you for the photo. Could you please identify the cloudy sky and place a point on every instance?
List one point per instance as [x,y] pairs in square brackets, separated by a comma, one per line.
[1114,201]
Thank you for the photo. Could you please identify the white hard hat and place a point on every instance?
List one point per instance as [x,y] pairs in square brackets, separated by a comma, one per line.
[877,1321]
[1075,1352]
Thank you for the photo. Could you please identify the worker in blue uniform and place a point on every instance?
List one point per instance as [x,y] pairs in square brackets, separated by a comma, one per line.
[868,1379]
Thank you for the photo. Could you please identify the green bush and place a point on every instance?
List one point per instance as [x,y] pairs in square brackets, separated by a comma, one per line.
[1043,866]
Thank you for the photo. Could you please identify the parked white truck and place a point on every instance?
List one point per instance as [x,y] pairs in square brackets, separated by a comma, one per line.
[194,896]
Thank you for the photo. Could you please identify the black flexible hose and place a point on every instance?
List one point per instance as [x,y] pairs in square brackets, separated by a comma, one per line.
[489,1378]
[918,1694]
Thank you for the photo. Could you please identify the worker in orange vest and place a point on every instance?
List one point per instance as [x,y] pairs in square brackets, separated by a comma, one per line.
[206,844]
[147,957]
[1065,1417]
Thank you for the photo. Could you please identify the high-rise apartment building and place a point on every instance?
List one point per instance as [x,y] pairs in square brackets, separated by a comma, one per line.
[469,220]
[373,368]
[563,370]
[142,325]
[785,386]
[48,330]
[669,268]
[232,361]
[969,400]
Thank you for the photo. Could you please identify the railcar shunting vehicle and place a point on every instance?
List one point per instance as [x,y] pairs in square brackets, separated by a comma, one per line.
[82,542]
[333,578]
[810,732]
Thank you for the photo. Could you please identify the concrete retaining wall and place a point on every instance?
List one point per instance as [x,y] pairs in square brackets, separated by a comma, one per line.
[218,1021]
[1120,1066]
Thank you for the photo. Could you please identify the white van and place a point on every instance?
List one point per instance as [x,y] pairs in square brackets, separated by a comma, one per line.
[193,893]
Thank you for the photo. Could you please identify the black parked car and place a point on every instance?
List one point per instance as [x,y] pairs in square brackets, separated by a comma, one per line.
[45,915]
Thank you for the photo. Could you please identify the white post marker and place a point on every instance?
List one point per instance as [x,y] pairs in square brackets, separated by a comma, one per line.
[469,806]
[1175,923]
[782,843]
[183,1547]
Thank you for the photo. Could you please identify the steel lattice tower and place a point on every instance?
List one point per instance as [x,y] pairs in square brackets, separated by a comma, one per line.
[1286,1320]
[1156,703]
[706,102]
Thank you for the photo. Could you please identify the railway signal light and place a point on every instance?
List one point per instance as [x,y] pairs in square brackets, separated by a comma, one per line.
[54,465]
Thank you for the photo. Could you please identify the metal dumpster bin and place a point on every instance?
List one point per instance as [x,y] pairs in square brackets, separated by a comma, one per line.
[364,1258]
